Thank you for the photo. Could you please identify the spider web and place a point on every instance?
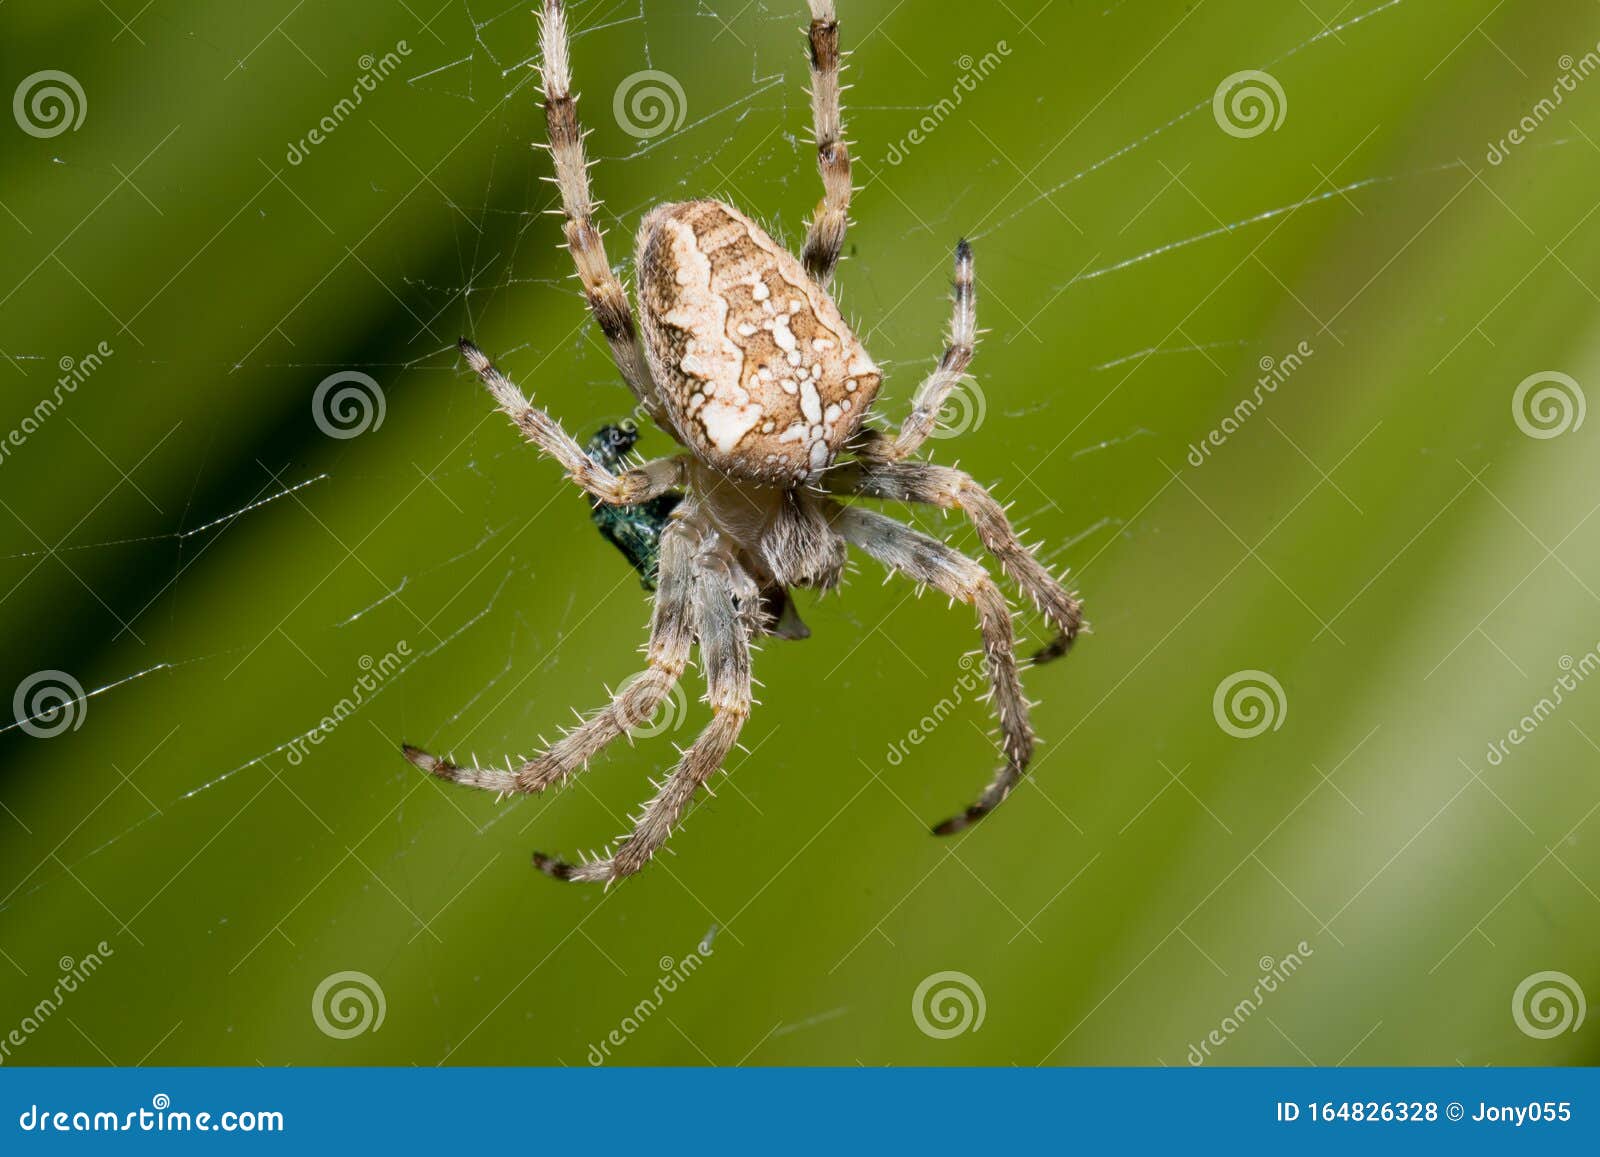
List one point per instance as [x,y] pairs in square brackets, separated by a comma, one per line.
[501,266]
[492,75]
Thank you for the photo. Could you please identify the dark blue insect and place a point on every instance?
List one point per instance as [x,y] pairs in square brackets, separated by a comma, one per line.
[634,530]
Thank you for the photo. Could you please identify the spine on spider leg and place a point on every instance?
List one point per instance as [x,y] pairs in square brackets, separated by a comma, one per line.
[512,402]
[572,178]
[994,616]
[546,433]
[957,356]
[1061,607]
[1007,701]
[532,421]
[829,222]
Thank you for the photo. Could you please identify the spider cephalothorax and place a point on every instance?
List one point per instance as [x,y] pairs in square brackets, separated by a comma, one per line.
[747,362]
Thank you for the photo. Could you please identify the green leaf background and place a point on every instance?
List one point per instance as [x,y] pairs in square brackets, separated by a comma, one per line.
[1380,537]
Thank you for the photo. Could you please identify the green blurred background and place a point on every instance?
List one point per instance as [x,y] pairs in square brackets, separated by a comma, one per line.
[1380,537]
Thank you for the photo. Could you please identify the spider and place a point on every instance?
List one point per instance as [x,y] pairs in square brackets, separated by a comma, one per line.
[748,364]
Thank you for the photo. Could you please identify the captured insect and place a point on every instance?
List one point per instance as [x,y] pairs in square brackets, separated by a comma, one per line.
[742,357]
[633,529]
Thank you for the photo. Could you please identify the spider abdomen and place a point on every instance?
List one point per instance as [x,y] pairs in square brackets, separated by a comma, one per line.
[756,366]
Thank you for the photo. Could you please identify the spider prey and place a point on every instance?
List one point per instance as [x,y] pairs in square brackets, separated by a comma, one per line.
[634,529]
[741,356]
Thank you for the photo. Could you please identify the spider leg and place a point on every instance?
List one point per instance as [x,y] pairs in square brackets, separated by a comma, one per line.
[923,482]
[631,486]
[935,388]
[929,561]
[635,702]
[825,235]
[726,601]
[607,299]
